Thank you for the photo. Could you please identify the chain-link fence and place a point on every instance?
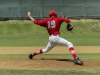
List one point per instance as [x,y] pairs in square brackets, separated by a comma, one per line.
[17,9]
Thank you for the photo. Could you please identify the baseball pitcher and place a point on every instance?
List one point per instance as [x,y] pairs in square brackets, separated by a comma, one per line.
[53,24]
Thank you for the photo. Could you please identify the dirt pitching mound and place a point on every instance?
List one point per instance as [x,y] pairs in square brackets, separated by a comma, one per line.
[46,64]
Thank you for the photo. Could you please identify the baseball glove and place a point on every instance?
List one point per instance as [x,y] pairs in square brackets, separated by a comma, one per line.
[69,27]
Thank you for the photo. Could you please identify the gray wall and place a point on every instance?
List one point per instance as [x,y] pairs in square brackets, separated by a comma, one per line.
[17,9]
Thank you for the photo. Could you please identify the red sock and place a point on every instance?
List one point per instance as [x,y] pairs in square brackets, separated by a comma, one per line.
[71,49]
[38,52]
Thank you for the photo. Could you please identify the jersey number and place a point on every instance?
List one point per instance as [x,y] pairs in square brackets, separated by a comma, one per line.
[51,24]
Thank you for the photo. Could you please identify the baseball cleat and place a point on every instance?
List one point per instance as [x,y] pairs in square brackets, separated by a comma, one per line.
[77,61]
[30,56]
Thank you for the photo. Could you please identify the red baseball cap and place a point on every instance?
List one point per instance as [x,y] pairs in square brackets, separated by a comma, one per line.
[52,12]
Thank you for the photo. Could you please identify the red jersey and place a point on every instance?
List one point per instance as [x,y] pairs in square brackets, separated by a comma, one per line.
[52,24]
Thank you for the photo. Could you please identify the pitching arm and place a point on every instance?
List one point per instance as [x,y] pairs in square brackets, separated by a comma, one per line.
[29,15]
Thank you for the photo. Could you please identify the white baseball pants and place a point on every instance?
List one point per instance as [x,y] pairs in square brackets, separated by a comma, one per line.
[56,40]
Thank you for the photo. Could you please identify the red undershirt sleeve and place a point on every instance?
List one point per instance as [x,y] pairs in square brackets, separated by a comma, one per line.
[40,22]
[67,20]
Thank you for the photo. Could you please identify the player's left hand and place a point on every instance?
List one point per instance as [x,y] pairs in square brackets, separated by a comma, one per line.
[69,27]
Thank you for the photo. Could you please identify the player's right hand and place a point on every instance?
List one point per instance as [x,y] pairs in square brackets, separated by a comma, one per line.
[29,13]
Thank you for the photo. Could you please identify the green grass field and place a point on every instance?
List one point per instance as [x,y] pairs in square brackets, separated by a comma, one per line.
[25,33]
[49,72]
[34,40]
